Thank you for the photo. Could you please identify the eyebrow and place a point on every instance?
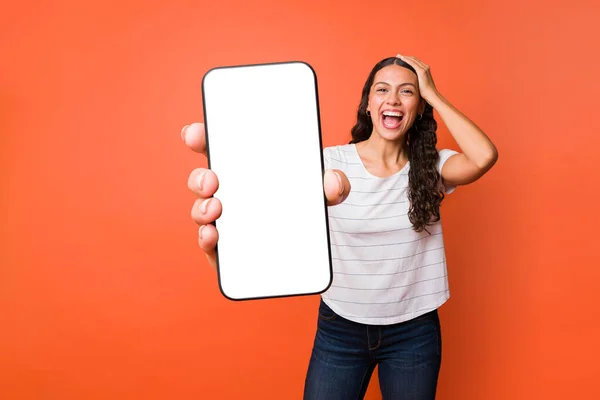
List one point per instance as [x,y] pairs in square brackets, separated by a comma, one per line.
[402,84]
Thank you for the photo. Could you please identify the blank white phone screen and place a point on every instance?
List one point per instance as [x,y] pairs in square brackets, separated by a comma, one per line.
[264,144]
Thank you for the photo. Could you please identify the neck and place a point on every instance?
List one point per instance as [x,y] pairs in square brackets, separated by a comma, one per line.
[387,152]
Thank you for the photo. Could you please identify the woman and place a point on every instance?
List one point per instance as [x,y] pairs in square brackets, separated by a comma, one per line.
[386,237]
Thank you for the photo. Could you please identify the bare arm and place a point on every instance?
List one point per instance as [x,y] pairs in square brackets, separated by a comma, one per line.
[478,152]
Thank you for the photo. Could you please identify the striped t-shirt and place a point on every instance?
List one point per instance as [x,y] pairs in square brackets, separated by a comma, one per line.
[383,271]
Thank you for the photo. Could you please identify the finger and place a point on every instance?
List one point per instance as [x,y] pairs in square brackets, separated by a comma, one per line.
[418,62]
[203,182]
[336,186]
[208,236]
[413,61]
[409,61]
[403,57]
[193,137]
[206,211]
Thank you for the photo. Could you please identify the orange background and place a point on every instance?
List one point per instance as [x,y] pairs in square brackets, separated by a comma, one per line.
[103,292]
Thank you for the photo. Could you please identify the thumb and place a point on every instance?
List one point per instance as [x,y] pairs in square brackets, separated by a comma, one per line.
[336,186]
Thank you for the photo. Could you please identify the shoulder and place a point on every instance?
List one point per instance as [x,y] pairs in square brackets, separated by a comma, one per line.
[444,155]
[339,154]
[342,149]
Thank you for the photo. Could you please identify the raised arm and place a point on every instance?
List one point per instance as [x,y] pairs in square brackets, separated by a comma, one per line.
[478,152]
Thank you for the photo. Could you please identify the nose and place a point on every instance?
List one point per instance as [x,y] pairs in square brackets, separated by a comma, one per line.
[393,98]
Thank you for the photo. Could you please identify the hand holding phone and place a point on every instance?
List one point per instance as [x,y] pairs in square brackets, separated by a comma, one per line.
[263,141]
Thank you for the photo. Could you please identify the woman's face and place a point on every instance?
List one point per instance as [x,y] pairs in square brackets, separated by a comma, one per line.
[394,101]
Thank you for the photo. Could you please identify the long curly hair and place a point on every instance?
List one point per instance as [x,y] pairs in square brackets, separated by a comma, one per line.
[424,190]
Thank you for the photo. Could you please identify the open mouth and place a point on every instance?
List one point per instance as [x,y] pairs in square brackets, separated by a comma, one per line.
[391,119]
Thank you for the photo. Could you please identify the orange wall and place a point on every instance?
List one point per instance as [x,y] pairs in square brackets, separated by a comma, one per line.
[103,292]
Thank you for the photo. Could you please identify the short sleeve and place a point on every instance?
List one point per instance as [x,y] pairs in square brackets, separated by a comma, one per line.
[327,158]
[444,155]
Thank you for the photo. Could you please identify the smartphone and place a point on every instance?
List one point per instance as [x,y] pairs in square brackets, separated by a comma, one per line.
[264,142]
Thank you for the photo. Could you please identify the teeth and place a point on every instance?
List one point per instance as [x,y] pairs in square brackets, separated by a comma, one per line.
[392,114]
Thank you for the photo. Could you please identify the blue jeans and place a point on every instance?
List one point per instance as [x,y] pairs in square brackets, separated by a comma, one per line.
[345,354]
